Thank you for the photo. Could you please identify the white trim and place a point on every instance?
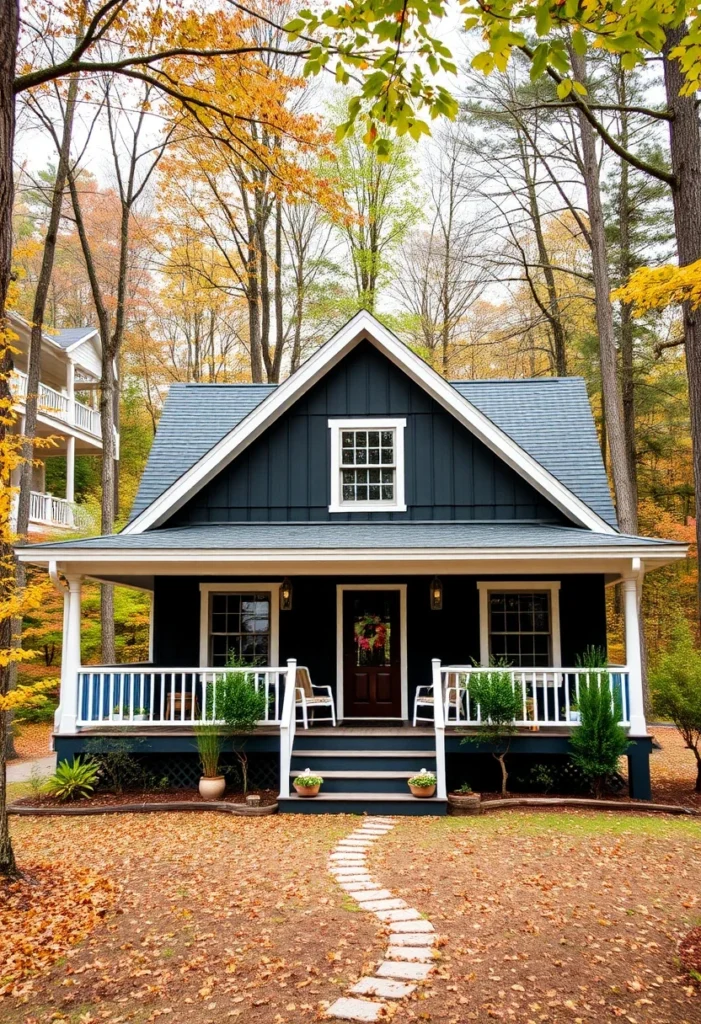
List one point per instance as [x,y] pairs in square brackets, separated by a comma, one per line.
[364,326]
[404,675]
[398,425]
[65,554]
[207,589]
[553,586]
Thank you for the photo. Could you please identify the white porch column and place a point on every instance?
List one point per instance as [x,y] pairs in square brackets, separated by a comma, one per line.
[638,725]
[70,660]
[70,469]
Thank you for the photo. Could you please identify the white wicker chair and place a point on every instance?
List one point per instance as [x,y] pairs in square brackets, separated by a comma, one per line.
[306,698]
[424,699]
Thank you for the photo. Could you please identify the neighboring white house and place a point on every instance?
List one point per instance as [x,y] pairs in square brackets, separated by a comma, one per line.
[71,361]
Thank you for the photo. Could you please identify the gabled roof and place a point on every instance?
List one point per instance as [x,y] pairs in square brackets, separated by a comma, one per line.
[69,337]
[168,483]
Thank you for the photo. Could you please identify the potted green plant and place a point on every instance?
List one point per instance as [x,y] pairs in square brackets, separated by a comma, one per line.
[212,783]
[423,784]
[307,784]
[140,714]
[464,800]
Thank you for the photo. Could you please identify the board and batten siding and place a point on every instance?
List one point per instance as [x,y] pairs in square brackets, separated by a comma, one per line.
[284,475]
[308,631]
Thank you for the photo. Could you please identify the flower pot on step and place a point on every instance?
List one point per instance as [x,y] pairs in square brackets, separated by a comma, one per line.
[422,791]
[307,790]
[463,804]
[212,789]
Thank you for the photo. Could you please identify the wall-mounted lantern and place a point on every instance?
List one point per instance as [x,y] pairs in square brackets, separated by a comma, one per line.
[436,595]
[286,595]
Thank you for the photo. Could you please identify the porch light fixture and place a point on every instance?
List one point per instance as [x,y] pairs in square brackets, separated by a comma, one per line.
[286,595]
[436,595]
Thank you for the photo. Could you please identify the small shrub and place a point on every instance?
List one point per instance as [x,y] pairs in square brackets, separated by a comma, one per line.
[73,781]
[118,768]
[241,707]
[500,704]
[543,777]
[598,742]
[676,691]
[464,789]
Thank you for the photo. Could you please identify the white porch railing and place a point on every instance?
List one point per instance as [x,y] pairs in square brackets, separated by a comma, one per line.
[59,405]
[549,696]
[169,697]
[49,510]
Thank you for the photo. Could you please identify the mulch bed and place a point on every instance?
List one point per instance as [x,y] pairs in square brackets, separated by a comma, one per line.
[267,798]
[690,953]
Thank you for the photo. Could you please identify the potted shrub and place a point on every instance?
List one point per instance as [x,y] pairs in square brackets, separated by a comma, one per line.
[423,784]
[212,783]
[140,714]
[307,784]
[464,800]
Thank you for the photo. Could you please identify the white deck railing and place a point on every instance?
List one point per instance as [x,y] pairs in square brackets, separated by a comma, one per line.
[55,403]
[549,696]
[168,697]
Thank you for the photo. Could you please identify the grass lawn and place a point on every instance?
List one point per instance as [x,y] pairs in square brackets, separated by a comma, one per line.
[571,917]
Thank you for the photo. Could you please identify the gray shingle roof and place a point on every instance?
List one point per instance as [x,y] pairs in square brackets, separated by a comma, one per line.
[194,418]
[550,418]
[70,335]
[329,536]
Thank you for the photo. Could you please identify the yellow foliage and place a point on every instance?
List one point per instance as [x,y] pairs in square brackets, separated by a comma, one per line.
[660,287]
[31,696]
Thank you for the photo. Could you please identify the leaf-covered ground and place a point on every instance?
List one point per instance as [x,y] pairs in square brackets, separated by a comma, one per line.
[32,740]
[572,917]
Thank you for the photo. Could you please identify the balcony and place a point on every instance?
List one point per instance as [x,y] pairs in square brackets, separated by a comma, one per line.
[59,406]
[48,511]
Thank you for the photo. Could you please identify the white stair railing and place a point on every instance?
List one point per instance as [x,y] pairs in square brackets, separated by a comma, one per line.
[288,722]
[439,726]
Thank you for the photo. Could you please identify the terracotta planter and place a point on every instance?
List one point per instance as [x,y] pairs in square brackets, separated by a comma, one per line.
[307,790]
[464,803]
[422,791]
[212,789]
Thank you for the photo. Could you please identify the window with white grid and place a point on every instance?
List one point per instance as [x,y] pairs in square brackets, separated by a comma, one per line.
[367,465]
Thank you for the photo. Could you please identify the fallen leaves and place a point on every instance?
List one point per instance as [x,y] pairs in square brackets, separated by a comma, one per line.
[51,908]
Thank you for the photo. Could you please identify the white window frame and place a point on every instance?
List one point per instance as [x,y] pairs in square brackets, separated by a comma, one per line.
[206,591]
[368,423]
[485,587]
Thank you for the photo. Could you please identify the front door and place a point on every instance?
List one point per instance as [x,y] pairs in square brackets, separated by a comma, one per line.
[372,677]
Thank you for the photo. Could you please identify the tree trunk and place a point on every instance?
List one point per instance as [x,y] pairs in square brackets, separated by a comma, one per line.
[625,501]
[279,325]
[254,308]
[9,18]
[38,313]
[685,147]
[698,773]
[106,419]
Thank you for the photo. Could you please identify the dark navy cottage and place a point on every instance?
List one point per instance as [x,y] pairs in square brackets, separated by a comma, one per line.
[361,540]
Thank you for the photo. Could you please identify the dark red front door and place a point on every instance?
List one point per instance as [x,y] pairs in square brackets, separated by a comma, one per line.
[372,680]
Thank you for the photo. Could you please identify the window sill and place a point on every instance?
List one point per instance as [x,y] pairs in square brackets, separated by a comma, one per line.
[367,506]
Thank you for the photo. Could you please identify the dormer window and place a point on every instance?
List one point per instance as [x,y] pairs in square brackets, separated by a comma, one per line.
[367,465]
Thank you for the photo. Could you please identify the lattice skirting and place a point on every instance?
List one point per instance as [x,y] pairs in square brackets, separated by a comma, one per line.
[183,770]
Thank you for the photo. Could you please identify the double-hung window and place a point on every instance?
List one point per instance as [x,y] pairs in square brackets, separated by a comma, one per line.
[520,624]
[367,465]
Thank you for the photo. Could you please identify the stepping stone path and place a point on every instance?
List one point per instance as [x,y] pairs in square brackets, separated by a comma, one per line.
[410,951]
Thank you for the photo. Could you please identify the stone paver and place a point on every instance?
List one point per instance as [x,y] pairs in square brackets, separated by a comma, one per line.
[390,904]
[403,971]
[422,925]
[412,938]
[383,987]
[410,953]
[355,1009]
[398,915]
[411,942]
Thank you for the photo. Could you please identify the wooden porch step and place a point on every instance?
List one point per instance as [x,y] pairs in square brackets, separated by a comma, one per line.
[363,803]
